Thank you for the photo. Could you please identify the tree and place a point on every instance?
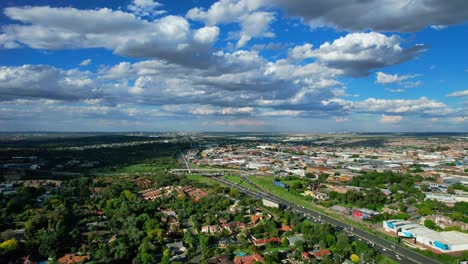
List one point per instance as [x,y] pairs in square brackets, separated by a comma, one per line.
[425,211]
[354,258]
[457,216]
[429,224]
[166,256]
[451,190]
[8,246]
[49,243]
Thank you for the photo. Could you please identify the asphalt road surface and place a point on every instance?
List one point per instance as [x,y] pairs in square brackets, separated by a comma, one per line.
[385,247]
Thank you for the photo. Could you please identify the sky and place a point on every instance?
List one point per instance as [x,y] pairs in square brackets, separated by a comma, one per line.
[234,65]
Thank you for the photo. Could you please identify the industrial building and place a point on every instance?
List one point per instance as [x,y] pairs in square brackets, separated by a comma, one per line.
[270,203]
[451,242]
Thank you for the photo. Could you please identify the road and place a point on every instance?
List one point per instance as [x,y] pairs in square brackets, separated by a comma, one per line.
[392,250]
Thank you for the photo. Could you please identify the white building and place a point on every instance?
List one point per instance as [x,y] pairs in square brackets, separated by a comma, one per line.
[444,242]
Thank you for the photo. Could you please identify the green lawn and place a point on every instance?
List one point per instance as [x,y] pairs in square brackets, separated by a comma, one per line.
[203,179]
[160,164]
[381,259]
[267,183]
[240,181]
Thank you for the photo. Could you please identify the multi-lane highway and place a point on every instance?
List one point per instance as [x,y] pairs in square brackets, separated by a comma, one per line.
[392,250]
[385,247]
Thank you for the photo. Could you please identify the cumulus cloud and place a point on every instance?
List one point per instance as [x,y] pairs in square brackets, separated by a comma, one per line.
[85,62]
[42,81]
[390,119]
[206,35]
[384,78]
[253,23]
[358,53]
[386,15]
[459,94]
[50,28]
[146,8]
[224,11]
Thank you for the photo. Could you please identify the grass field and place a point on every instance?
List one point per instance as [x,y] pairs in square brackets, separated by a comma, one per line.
[267,183]
[203,179]
[159,164]
[385,260]
[240,181]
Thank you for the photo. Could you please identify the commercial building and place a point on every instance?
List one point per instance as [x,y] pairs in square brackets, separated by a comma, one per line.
[270,203]
[364,213]
[451,242]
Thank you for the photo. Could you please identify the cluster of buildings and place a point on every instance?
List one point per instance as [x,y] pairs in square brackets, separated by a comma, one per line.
[339,163]
[190,192]
[451,242]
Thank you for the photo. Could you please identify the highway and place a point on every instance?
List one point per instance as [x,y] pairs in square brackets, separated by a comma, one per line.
[385,247]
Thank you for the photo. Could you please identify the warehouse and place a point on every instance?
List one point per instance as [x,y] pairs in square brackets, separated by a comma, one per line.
[451,242]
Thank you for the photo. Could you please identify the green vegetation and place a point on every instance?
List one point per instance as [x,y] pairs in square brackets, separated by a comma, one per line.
[385,260]
[203,180]
[240,181]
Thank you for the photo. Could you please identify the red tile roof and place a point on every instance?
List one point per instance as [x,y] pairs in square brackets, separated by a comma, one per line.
[72,259]
[248,259]
[261,242]
[321,252]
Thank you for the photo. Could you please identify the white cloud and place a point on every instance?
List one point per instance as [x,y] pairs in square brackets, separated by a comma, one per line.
[390,119]
[358,53]
[395,90]
[438,27]
[458,94]
[384,78]
[206,35]
[224,11]
[146,8]
[41,81]
[253,23]
[85,62]
[49,28]
[301,52]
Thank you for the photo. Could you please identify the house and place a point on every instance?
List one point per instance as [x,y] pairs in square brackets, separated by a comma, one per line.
[341,209]
[263,242]
[285,228]
[248,259]
[256,218]
[72,259]
[305,256]
[444,222]
[177,250]
[225,242]
[316,195]
[293,239]
[233,226]
[211,229]
[318,254]
[219,260]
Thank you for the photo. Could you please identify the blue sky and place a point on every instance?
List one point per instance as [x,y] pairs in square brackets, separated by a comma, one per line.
[234,65]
